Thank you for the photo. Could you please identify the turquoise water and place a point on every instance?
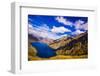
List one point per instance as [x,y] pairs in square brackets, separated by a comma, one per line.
[43,50]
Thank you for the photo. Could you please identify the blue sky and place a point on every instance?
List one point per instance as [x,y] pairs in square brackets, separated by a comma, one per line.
[55,27]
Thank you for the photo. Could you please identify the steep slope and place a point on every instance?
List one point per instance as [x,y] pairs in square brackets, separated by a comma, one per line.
[60,42]
[63,48]
[33,38]
[73,46]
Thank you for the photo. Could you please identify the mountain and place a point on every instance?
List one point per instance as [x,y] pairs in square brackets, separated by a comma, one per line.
[34,38]
[60,42]
[72,46]
[63,48]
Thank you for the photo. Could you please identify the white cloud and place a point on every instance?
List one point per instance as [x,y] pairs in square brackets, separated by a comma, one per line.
[80,21]
[77,32]
[60,29]
[78,24]
[31,20]
[63,35]
[81,25]
[64,21]
[30,29]
[30,26]
[44,27]
[85,26]
[43,31]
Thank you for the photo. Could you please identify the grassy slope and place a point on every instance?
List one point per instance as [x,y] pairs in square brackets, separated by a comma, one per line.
[77,50]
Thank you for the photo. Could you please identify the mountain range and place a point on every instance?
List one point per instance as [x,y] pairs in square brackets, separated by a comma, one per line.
[65,46]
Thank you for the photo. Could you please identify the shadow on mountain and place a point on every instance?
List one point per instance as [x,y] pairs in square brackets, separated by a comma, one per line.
[64,48]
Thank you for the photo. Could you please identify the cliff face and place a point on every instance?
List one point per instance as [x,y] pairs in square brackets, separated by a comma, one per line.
[72,46]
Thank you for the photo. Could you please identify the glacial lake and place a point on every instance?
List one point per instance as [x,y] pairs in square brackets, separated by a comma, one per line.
[43,50]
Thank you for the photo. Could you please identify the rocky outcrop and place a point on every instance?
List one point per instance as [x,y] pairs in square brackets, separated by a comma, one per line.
[72,46]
